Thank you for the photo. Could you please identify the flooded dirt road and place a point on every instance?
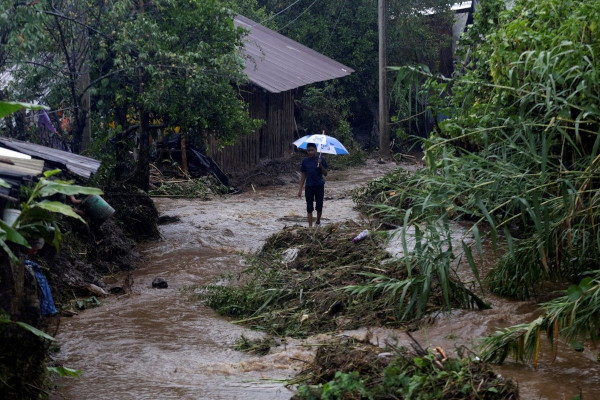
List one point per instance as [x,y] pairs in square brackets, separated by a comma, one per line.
[155,344]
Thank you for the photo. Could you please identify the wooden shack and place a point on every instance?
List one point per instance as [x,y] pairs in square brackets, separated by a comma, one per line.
[276,66]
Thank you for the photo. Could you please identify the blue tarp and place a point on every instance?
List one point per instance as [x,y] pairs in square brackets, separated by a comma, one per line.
[46,301]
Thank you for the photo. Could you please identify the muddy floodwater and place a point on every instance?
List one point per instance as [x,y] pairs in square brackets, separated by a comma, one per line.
[156,344]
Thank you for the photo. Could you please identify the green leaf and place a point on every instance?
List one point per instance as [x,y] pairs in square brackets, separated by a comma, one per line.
[4,184]
[35,331]
[14,236]
[50,188]
[48,174]
[64,371]
[574,292]
[472,264]
[57,207]
[9,107]
[586,284]
[34,216]
[8,251]
[419,362]
[57,238]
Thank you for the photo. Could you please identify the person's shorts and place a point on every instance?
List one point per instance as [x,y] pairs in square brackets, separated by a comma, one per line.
[314,194]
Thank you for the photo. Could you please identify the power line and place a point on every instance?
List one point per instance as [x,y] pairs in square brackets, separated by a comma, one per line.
[301,14]
[334,25]
[282,11]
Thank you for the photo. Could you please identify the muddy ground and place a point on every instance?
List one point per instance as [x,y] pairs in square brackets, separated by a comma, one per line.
[155,343]
[90,252]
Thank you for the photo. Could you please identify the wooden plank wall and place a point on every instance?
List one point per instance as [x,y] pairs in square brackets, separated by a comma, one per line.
[273,140]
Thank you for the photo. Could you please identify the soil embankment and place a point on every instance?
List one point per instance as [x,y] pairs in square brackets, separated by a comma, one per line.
[91,252]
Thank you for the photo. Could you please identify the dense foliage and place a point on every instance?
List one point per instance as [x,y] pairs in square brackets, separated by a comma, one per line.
[519,153]
[141,69]
[346,31]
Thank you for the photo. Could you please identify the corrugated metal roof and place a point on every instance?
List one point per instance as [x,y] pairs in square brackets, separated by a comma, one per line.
[277,63]
[77,164]
[19,167]
[11,153]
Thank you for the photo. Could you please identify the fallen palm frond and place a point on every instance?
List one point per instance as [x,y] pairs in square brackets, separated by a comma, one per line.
[350,370]
[575,317]
[305,281]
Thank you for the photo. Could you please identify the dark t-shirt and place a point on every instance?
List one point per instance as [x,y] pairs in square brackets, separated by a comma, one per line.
[314,177]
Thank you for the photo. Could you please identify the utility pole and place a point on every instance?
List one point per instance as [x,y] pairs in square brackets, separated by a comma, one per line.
[82,67]
[143,162]
[384,132]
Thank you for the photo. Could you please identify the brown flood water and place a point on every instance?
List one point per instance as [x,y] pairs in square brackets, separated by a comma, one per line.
[155,344]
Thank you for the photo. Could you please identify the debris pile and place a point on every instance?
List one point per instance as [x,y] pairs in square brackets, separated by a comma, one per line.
[203,188]
[277,172]
[259,346]
[352,370]
[135,213]
[305,281]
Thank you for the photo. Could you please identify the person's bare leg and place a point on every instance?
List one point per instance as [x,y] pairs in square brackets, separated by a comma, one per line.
[319,217]
[310,219]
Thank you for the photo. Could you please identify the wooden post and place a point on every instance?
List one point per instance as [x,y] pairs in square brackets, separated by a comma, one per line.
[143,162]
[384,135]
[184,154]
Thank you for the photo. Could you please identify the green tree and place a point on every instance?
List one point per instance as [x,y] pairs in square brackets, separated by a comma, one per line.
[183,72]
[520,154]
[347,32]
[144,68]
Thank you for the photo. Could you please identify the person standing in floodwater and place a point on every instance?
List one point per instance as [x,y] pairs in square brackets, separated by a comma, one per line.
[313,168]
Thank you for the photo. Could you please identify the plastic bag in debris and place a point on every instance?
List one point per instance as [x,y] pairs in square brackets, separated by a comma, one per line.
[46,301]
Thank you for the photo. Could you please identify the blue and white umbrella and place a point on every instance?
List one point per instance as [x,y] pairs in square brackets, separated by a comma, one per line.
[325,144]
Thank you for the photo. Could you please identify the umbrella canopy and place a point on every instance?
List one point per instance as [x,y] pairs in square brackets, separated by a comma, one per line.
[325,144]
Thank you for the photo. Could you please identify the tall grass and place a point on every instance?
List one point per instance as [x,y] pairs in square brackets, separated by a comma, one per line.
[519,157]
[575,317]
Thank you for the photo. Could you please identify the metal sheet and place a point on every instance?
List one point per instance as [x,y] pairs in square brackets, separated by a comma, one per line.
[77,164]
[10,153]
[277,63]
[19,167]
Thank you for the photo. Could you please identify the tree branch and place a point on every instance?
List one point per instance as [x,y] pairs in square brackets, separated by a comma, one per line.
[99,79]
[60,15]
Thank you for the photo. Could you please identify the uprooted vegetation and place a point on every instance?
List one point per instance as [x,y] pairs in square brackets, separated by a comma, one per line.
[203,188]
[305,281]
[260,346]
[350,370]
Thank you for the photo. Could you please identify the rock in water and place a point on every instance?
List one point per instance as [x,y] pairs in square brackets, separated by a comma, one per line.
[168,219]
[160,283]
[117,290]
